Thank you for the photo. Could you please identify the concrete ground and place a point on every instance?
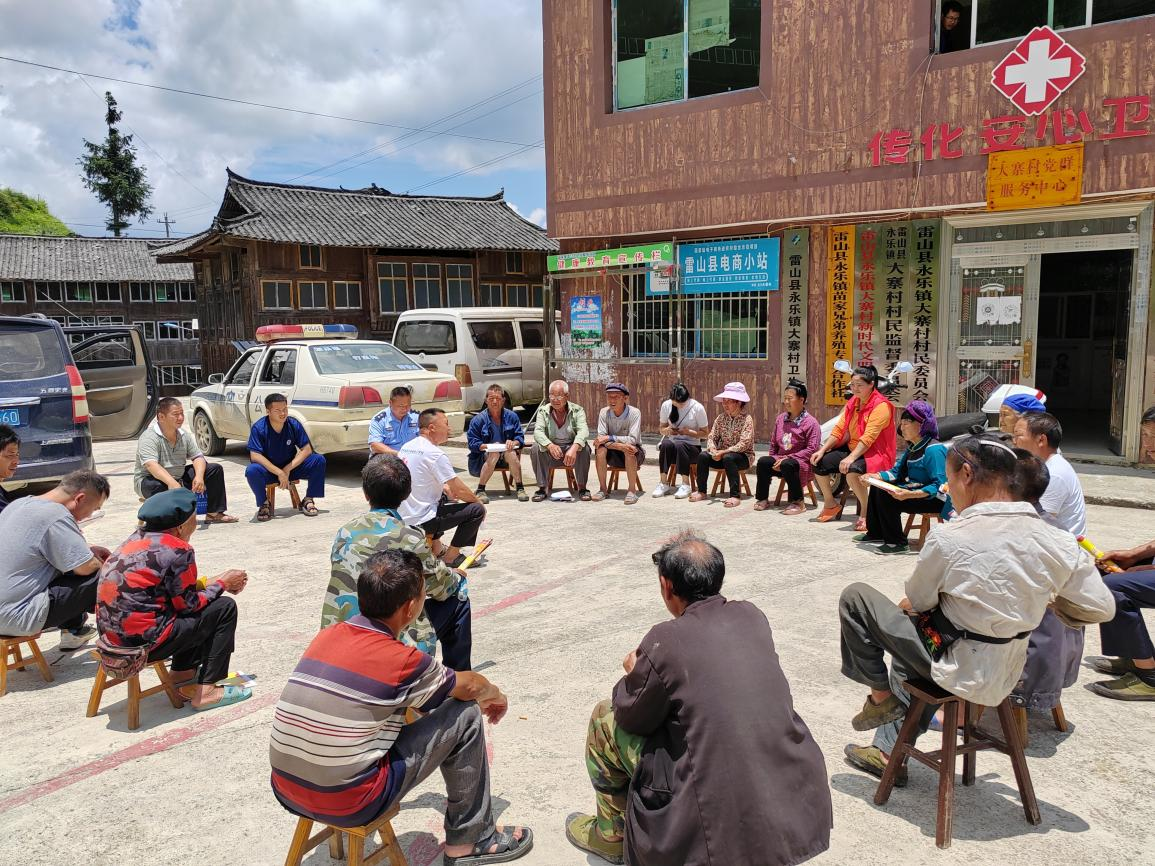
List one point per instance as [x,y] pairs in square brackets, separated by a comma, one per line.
[567,591]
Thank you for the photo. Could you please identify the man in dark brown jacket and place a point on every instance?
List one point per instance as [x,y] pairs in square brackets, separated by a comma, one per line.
[700,758]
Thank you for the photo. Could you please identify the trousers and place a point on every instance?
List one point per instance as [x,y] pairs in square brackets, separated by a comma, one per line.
[612,756]
[464,517]
[884,514]
[543,461]
[679,453]
[788,471]
[202,642]
[214,486]
[70,597]
[312,468]
[1126,635]
[731,462]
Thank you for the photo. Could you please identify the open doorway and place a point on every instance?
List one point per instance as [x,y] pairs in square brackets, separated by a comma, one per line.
[1082,346]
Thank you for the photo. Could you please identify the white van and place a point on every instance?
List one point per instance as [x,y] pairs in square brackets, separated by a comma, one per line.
[481,346]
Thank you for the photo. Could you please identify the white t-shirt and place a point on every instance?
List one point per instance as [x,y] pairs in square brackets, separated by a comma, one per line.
[429,468]
[692,416]
[1062,504]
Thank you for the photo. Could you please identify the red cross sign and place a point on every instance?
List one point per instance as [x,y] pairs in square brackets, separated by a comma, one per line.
[1038,70]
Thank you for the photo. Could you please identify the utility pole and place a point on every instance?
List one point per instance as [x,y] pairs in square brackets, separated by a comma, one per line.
[166,222]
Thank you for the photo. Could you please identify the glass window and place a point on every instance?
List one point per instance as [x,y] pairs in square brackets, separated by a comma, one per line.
[492,335]
[29,352]
[192,374]
[532,335]
[310,255]
[998,20]
[1117,10]
[426,286]
[276,295]
[110,320]
[190,329]
[346,296]
[281,368]
[108,292]
[518,294]
[140,293]
[432,338]
[459,285]
[170,375]
[50,291]
[392,287]
[185,292]
[12,292]
[105,351]
[242,372]
[537,296]
[514,263]
[146,328]
[168,331]
[78,292]
[490,295]
[353,358]
[312,295]
[165,292]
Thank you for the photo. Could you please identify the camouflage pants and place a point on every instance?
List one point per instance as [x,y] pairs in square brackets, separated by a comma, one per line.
[612,755]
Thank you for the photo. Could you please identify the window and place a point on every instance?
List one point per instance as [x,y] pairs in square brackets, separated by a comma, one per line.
[12,292]
[281,368]
[189,330]
[513,262]
[492,335]
[81,321]
[108,293]
[490,295]
[313,295]
[62,320]
[105,351]
[353,358]
[140,293]
[49,292]
[459,285]
[76,292]
[242,372]
[537,296]
[30,352]
[185,292]
[165,292]
[392,291]
[234,266]
[310,255]
[346,296]
[665,50]
[171,375]
[984,21]
[276,295]
[110,320]
[518,294]
[168,331]
[192,374]
[426,286]
[532,335]
[146,328]
[432,338]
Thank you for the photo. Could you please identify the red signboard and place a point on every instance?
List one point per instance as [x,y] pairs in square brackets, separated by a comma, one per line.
[1038,70]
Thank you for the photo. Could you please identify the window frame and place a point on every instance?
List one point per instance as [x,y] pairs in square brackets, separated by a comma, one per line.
[186,292]
[141,292]
[459,281]
[426,279]
[518,262]
[484,288]
[12,285]
[509,290]
[346,306]
[972,11]
[305,261]
[288,284]
[192,378]
[165,331]
[290,353]
[178,376]
[74,291]
[167,288]
[393,279]
[113,294]
[146,328]
[312,284]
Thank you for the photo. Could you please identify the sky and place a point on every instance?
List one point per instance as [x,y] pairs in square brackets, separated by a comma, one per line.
[469,69]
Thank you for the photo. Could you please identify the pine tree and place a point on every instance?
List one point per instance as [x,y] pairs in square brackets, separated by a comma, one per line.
[109,170]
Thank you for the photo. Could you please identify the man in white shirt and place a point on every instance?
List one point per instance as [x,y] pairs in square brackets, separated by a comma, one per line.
[431,506]
[1062,504]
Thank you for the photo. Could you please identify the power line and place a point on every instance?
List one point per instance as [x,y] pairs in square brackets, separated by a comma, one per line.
[474,168]
[130,228]
[252,104]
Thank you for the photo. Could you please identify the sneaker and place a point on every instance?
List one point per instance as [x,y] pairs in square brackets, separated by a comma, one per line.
[522,496]
[870,760]
[482,496]
[1127,688]
[75,638]
[663,489]
[1112,666]
[582,832]
[875,715]
[682,492]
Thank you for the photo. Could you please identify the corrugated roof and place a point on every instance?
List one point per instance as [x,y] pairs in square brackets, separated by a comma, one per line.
[371,218]
[29,257]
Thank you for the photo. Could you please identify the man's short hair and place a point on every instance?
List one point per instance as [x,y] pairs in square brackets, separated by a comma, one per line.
[563,383]
[1044,424]
[166,405]
[386,481]
[87,480]
[7,437]
[388,580]
[694,567]
[400,391]
[426,417]
[952,6]
[275,398]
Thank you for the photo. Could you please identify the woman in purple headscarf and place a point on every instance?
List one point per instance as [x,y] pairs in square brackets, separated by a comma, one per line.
[914,481]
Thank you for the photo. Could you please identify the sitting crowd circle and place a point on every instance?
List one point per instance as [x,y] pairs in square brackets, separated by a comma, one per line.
[994,607]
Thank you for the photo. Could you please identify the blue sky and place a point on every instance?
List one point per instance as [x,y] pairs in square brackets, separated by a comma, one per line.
[403,62]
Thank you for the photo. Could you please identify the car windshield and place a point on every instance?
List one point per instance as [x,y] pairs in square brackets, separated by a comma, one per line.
[29,352]
[432,338]
[351,358]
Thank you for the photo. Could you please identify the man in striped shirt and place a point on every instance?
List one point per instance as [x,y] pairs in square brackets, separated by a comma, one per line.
[341,751]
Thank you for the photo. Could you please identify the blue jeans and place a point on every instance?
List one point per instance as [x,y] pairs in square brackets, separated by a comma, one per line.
[312,468]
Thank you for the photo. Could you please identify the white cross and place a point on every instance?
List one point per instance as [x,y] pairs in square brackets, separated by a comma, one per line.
[1038,70]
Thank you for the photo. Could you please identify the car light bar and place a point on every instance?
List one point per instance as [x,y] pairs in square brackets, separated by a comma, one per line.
[271,333]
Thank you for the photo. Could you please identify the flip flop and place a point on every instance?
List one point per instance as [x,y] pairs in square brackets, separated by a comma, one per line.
[223,518]
[232,695]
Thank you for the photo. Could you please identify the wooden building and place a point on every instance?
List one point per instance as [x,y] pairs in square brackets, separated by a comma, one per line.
[976,199]
[282,253]
[108,281]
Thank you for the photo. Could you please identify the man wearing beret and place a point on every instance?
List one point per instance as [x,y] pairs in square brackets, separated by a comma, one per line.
[619,441]
[148,596]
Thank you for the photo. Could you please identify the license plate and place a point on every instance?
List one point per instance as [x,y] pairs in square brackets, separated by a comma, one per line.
[11,417]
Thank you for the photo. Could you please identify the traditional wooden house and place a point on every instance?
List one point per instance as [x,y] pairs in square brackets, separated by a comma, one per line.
[282,253]
[108,281]
[751,190]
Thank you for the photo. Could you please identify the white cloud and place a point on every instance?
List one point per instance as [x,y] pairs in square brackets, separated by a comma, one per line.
[405,62]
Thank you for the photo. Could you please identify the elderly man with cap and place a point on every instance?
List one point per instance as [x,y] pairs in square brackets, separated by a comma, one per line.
[619,441]
[148,599]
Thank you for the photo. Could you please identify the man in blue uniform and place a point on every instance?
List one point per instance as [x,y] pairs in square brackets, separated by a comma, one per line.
[281,452]
[393,427]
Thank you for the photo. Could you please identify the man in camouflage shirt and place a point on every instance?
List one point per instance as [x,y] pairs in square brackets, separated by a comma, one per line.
[447,615]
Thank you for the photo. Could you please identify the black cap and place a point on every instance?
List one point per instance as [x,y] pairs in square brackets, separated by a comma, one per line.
[167,510]
[617,386]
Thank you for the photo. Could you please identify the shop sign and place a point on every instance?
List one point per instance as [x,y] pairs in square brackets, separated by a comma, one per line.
[624,257]
[1038,70]
[839,316]
[585,321]
[795,292]
[729,266]
[1039,177]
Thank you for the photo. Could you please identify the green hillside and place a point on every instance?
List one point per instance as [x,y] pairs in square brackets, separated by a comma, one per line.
[22,215]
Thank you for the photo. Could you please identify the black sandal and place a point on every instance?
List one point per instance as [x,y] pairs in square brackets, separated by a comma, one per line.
[539,495]
[264,513]
[508,848]
[308,507]
[585,496]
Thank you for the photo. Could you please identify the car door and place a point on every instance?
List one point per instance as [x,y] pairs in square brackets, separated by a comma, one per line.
[117,372]
[232,419]
[532,334]
[278,375]
[499,356]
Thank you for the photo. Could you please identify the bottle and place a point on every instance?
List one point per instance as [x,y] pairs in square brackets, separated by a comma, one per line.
[1090,547]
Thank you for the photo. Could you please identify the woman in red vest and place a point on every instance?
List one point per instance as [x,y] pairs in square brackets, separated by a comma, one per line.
[862,441]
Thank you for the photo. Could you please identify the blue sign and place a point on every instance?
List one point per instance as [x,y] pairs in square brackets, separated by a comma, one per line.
[729,266]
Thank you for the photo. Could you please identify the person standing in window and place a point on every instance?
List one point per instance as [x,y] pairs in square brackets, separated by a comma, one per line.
[952,34]
[682,422]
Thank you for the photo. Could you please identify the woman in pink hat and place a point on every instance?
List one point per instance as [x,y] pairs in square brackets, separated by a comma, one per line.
[730,445]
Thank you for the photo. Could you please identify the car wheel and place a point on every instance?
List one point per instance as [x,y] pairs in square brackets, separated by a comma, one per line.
[208,440]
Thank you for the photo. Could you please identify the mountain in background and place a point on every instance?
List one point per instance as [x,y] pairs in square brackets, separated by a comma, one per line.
[23,215]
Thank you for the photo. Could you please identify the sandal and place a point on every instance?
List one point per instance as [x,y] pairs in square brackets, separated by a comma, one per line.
[220,517]
[599,496]
[508,848]
[264,513]
[308,507]
[762,505]
[794,508]
[538,495]
[232,695]
[584,495]
[860,525]
[830,513]
[732,502]
[697,496]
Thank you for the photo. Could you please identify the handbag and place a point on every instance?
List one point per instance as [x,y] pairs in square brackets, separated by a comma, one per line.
[938,633]
[121,662]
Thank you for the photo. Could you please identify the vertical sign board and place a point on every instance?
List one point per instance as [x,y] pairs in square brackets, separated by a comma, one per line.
[795,289]
[866,248]
[922,307]
[585,321]
[839,312]
[893,264]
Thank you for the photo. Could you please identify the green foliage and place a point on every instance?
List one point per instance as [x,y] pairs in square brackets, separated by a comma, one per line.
[110,172]
[23,215]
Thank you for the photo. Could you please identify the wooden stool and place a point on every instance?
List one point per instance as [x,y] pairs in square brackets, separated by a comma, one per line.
[924,694]
[672,474]
[570,479]
[923,526]
[810,490]
[846,493]
[720,478]
[271,496]
[134,691]
[1020,714]
[615,474]
[303,843]
[10,646]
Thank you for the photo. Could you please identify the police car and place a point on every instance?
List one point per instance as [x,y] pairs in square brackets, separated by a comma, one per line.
[335,383]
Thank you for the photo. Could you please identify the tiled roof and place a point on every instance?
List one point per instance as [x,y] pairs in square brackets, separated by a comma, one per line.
[372,218]
[28,257]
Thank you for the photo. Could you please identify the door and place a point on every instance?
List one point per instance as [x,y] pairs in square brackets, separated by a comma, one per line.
[232,420]
[278,375]
[993,319]
[118,377]
[499,356]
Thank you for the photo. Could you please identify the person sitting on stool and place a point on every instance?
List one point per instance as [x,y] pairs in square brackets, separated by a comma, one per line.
[281,452]
[497,426]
